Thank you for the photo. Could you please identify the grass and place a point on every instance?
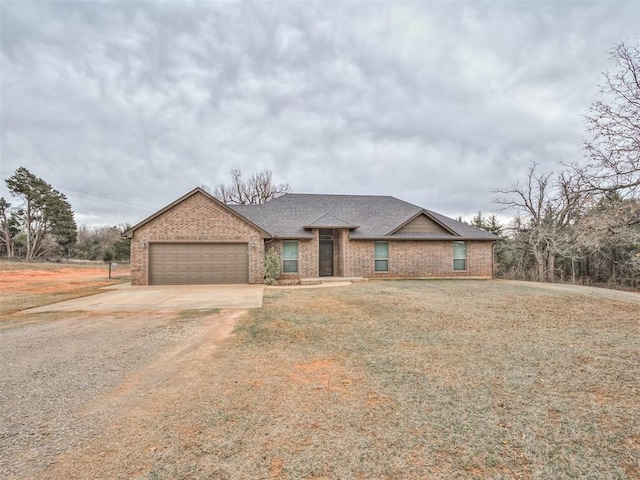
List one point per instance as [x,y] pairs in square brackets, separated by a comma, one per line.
[437,379]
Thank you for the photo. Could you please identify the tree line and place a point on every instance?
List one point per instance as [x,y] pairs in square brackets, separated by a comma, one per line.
[42,225]
[582,223]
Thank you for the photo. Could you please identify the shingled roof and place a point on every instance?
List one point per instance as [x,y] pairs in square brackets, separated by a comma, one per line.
[367,216]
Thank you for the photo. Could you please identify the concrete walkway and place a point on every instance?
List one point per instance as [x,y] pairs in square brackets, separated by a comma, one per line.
[331,280]
[124,297]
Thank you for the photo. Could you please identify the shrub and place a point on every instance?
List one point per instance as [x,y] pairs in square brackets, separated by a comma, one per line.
[271,267]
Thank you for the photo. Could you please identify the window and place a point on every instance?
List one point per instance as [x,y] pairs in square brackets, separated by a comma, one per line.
[289,257]
[460,256]
[381,256]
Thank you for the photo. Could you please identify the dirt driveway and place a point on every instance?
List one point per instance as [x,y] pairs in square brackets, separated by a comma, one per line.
[67,376]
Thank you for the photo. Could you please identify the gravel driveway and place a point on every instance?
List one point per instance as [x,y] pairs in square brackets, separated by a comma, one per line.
[64,378]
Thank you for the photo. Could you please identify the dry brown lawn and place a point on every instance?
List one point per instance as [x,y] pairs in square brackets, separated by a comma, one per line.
[431,379]
[32,284]
[389,380]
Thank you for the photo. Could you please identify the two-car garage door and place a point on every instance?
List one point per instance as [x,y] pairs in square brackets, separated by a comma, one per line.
[198,263]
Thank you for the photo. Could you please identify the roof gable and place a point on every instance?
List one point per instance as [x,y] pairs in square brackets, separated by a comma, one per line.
[330,221]
[422,224]
[465,231]
[196,191]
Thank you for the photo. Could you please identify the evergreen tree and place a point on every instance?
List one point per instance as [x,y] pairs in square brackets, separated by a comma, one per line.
[45,216]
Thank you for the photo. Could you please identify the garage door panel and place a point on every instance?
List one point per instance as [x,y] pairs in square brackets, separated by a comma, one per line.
[198,263]
[207,268]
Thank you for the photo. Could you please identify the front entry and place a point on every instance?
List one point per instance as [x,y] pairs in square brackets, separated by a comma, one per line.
[326,253]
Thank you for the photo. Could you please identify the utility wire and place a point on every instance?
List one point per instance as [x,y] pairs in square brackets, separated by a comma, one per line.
[80,193]
[124,202]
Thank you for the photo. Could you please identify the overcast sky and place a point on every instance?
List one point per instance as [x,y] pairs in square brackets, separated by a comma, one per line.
[126,106]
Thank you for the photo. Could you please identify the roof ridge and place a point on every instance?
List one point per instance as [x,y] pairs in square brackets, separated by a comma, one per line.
[337,195]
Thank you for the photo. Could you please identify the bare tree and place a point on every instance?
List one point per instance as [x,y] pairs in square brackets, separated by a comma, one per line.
[610,234]
[94,242]
[546,207]
[585,222]
[614,125]
[257,189]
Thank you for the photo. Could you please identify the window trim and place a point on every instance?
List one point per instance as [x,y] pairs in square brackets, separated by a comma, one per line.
[295,261]
[377,259]
[458,259]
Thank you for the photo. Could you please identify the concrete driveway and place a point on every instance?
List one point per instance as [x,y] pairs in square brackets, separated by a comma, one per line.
[166,297]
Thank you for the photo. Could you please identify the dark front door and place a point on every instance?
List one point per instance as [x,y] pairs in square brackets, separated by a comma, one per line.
[326,258]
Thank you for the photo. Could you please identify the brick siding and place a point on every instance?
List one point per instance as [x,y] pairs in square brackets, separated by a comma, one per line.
[355,258]
[417,259]
[308,254]
[196,219]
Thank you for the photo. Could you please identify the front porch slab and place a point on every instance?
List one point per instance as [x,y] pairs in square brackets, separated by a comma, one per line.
[320,280]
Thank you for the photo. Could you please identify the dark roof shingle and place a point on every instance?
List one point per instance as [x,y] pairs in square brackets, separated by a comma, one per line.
[376,216]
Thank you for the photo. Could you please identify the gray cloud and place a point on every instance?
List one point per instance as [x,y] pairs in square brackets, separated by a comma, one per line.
[130,104]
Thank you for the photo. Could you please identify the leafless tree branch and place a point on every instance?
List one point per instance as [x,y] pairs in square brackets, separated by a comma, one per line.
[257,189]
[613,151]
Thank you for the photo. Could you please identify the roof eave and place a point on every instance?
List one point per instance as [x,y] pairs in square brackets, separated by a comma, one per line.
[425,239]
[292,237]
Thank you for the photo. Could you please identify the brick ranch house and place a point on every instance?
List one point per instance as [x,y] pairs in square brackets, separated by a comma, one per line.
[199,240]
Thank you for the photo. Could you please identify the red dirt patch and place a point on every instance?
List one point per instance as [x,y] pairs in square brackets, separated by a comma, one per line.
[323,374]
[25,285]
[51,281]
